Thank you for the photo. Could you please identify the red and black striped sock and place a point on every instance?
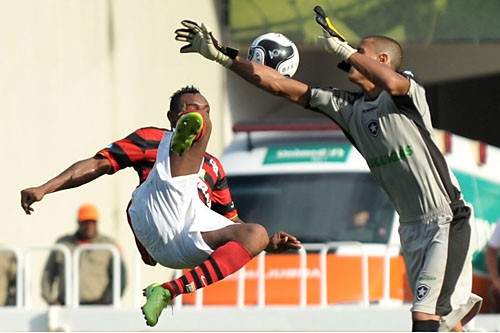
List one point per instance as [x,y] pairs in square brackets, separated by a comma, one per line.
[224,261]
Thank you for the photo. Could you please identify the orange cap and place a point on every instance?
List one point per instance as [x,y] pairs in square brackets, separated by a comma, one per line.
[88,212]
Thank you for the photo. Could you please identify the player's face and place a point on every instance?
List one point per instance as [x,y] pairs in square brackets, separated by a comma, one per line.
[194,102]
[87,229]
[367,48]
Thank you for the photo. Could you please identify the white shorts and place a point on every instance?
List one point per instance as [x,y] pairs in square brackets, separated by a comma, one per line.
[167,215]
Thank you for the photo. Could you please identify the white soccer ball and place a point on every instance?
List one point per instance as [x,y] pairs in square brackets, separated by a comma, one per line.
[277,51]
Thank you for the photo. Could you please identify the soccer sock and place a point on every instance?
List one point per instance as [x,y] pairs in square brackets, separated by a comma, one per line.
[224,261]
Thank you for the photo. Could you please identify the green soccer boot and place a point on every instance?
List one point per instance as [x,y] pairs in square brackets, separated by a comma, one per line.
[157,299]
[189,128]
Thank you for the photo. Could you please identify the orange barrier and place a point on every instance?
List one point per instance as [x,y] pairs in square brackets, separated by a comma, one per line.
[283,281]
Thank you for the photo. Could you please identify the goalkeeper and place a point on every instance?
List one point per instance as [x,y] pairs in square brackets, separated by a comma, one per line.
[389,123]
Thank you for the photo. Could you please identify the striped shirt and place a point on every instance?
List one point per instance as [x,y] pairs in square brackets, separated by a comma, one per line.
[139,149]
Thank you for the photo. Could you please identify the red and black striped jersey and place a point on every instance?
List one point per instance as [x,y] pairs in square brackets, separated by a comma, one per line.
[138,150]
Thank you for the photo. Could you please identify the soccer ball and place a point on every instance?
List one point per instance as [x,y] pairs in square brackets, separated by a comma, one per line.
[277,51]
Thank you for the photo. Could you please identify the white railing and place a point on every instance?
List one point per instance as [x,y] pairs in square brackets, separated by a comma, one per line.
[322,249]
[71,262]
[27,270]
[71,272]
[389,253]
[340,317]
[116,271]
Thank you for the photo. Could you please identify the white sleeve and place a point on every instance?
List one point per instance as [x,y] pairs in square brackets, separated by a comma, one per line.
[417,94]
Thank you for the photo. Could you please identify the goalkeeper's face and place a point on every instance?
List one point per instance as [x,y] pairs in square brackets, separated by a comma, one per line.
[367,48]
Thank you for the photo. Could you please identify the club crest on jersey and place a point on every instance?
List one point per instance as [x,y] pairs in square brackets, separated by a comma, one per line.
[373,128]
[422,291]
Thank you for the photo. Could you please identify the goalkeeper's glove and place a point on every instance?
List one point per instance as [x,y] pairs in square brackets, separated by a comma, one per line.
[201,40]
[334,42]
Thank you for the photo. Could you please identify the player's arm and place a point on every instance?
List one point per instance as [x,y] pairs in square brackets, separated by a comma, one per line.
[492,265]
[237,219]
[268,79]
[380,74]
[77,174]
[377,71]
[200,40]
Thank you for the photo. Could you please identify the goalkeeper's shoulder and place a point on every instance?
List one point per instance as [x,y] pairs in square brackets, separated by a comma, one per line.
[410,75]
[415,88]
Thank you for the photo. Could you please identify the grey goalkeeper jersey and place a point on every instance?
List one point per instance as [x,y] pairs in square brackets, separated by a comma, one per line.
[394,134]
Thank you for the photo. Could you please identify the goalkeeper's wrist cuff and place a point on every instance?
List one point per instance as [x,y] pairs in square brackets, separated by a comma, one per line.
[346,51]
[224,60]
[228,54]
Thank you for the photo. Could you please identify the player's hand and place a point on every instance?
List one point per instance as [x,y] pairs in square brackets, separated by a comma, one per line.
[281,242]
[29,196]
[335,46]
[334,41]
[200,40]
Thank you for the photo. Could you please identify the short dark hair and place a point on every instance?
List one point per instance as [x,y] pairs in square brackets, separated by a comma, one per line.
[390,45]
[174,99]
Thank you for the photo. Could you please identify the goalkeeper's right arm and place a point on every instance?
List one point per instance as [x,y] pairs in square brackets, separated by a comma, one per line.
[268,79]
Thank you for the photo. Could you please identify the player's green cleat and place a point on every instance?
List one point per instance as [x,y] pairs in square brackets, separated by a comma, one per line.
[188,128]
[157,299]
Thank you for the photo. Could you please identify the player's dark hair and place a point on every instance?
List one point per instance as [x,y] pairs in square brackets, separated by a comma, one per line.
[175,105]
[391,46]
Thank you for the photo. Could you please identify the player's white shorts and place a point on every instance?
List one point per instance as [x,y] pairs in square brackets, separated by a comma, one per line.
[167,215]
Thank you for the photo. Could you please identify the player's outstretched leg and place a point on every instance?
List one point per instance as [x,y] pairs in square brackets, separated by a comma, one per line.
[189,129]
[157,299]
[224,261]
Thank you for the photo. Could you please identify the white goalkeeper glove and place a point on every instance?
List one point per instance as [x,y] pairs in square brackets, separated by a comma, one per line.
[335,45]
[334,42]
[201,40]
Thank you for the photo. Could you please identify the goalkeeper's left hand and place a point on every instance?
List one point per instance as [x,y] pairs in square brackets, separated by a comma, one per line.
[201,40]
[335,46]
[334,42]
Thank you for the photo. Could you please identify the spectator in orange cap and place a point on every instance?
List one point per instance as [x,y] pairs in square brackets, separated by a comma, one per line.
[96,273]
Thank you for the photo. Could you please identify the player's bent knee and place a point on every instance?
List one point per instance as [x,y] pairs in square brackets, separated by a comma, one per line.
[259,231]
[255,238]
